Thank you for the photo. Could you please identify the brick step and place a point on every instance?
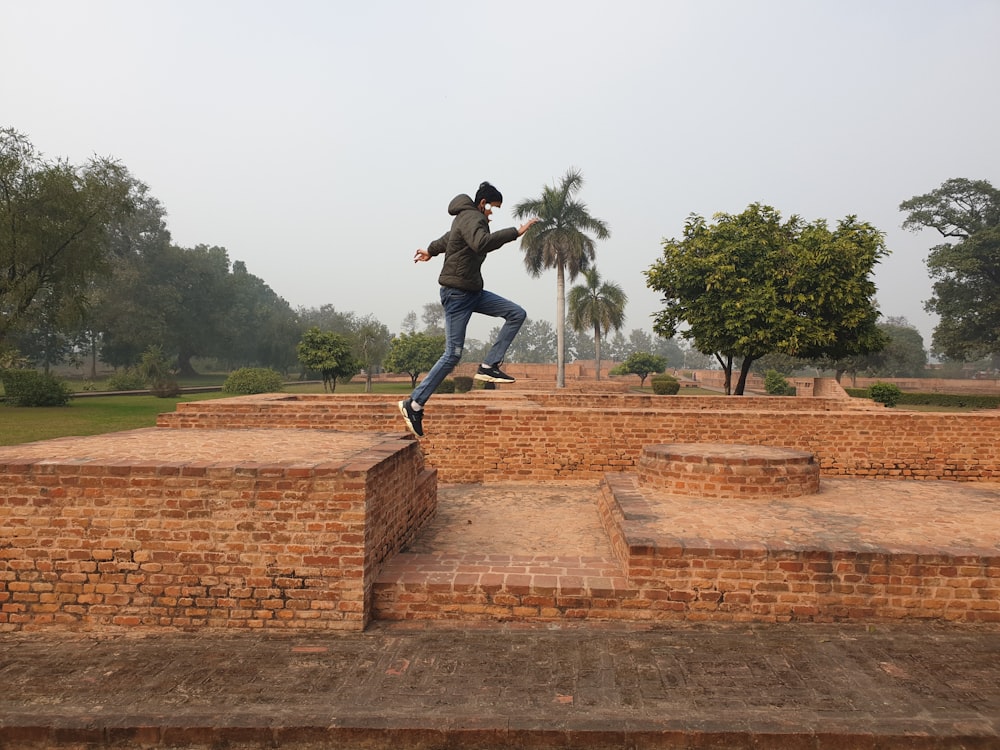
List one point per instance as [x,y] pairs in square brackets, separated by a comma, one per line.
[487,586]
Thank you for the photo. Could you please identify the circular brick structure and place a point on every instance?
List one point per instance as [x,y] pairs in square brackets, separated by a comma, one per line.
[729,471]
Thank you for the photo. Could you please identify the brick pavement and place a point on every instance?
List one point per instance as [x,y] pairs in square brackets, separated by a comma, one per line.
[761,686]
[489,685]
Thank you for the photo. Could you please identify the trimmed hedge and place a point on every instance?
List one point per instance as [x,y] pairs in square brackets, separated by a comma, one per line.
[971,400]
[248,380]
[665,385]
[463,383]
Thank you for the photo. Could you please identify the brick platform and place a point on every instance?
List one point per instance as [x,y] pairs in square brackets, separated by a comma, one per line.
[727,471]
[216,528]
[206,526]
[576,552]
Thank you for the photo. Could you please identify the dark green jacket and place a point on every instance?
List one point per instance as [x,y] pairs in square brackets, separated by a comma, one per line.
[466,245]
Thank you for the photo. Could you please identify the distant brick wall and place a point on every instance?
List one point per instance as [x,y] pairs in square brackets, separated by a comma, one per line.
[160,540]
[499,436]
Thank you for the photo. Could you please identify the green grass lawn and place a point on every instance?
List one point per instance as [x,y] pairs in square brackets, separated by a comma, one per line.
[85,416]
[95,415]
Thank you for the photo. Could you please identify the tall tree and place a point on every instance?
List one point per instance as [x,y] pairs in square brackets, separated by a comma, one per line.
[966,268]
[560,240]
[752,284]
[433,317]
[597,306]
[371,345]
[259,327]
[54,220]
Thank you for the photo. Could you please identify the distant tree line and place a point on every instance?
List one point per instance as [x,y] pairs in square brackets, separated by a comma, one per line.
[89,274]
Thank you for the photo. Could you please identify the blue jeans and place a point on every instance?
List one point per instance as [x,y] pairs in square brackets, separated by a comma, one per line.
[458,308]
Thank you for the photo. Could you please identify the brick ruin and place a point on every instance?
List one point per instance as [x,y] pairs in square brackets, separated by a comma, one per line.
[281,511]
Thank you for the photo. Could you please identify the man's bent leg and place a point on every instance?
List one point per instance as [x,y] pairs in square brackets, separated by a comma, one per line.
[513,315]
[458,308]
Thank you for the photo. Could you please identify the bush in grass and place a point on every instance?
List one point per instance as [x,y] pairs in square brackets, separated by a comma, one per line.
[129,379]
[248,380]
[665,385]
[776,385]
[32,388]
[885,393]
[463,383]
[447,386]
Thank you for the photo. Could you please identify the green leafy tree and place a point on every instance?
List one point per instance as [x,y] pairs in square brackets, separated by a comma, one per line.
[123,315]
[414,353]
[642,364]
[259,327]
[597,306]
[751,284]
[195,289]
[560,240]
[903,356]
[327,318]
[54,220]
[965,268]
[328,353]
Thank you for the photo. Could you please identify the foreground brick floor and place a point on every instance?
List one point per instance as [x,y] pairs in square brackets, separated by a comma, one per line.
[488,685]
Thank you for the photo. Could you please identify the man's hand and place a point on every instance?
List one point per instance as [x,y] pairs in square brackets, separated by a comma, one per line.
[421,255]
[526,226]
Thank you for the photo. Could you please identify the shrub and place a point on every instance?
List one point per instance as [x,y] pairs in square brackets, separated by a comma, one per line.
[32,388]
[463,383]
[665,385]
[776,384]
[885,393]
[248,380]
[127,380]
[167,388]
[447,386]
[976,401]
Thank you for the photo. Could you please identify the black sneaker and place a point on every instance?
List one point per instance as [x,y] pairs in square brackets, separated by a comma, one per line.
[414,419]
[493,375]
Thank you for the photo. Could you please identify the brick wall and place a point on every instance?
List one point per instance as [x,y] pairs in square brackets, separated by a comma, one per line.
[173,541]
[501,435]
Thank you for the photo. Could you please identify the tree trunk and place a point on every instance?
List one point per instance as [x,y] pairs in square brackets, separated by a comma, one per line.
[560,326]
[93,356]
[744,371]
[184,365]
[727,368]
[597,349]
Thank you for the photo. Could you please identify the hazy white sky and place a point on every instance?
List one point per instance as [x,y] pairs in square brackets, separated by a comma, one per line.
[320,141]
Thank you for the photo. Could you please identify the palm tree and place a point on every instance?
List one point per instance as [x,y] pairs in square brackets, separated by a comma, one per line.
[599,306]
[559,241]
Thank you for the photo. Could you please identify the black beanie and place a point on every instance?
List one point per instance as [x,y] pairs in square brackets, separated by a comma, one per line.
[488,193]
